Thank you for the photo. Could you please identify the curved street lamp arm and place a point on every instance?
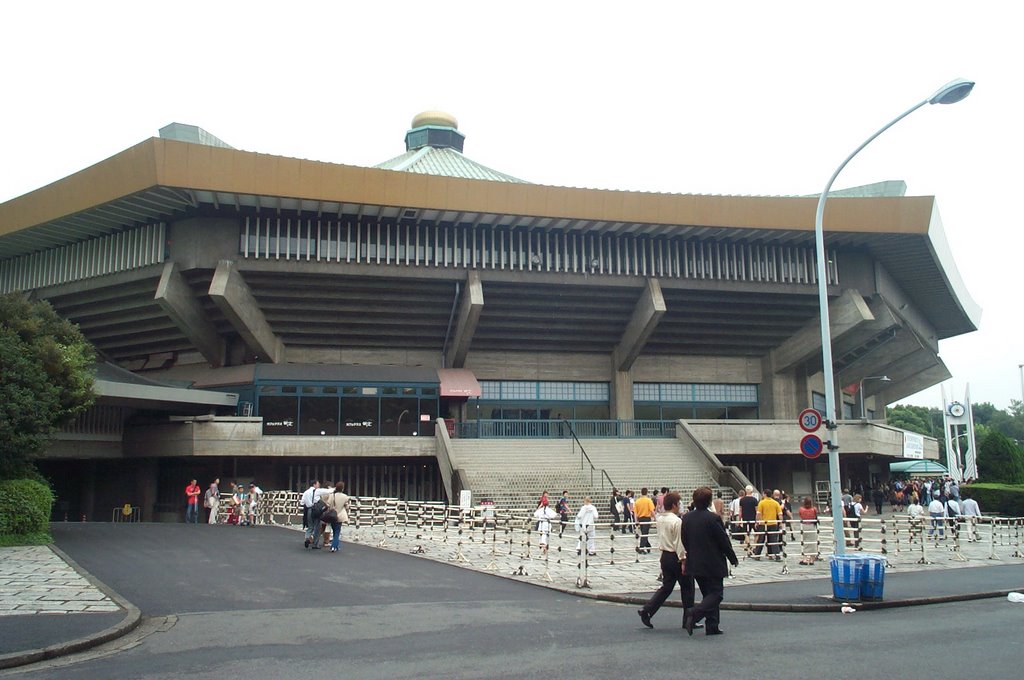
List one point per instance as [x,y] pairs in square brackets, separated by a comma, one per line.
[835,485]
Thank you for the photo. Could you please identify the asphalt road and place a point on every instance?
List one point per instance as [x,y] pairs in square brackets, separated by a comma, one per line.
[252,603]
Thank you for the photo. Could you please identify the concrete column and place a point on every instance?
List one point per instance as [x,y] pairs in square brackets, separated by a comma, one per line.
[175,297]
[846,313]
[88,481]
[232,296]
[145,486]
[646,314]
[471,305]
[622,394]
[201,242]
[779,395]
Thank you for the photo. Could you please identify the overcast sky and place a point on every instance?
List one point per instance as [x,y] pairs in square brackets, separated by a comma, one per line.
[722,98]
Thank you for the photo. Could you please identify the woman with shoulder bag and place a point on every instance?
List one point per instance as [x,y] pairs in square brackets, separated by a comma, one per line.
[336,513]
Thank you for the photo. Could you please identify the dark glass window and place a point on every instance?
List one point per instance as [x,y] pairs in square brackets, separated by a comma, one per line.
[742,413]
[676,412]
[428,407]
[289,389]
[708,413]
[319,416]
[590,412]
[399,416]
[359,416]
[280,415]
[647,412]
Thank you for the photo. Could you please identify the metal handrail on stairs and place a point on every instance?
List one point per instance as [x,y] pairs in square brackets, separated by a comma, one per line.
[584,456]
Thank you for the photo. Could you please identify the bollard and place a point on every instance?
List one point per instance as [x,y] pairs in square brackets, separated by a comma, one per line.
[1017,524]
[924,552]
[954,528]
[582,581]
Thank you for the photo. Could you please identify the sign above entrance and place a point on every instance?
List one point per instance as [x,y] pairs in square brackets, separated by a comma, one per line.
[458,382]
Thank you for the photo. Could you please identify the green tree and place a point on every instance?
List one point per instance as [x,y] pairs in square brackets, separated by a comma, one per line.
[983,412]
[1000,460]
[920,419]
[45,379]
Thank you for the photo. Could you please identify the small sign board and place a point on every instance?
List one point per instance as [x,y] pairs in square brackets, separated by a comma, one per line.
[810,420]
[811,446]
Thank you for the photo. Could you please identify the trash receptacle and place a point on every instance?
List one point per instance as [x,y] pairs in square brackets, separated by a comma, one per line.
[847,575]
[873,577]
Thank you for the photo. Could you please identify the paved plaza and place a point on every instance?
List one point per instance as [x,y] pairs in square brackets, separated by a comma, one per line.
[251,601]
[619,569]
[36,580]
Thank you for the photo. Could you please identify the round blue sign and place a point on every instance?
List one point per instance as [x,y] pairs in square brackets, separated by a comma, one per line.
[811,446]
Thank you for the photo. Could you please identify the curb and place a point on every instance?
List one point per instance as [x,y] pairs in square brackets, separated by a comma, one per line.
[810,608]
[130,621]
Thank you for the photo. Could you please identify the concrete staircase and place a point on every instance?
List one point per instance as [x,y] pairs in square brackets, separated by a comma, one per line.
[654,463]
[514,472]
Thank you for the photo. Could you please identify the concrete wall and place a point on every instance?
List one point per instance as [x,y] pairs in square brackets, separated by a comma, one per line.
[201,242]
[782,437]
[243,437]
[355,355]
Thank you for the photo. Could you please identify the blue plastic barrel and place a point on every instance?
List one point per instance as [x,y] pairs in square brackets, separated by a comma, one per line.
[873,577]
[847,575]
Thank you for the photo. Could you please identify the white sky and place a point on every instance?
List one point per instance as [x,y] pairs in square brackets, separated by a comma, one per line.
[726,98]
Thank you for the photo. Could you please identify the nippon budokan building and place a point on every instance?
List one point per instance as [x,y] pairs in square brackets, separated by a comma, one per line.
[431,325]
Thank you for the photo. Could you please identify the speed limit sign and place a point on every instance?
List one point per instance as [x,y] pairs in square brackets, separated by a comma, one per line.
[810,420]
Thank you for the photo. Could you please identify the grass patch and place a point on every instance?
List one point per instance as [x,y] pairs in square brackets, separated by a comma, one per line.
[38,538]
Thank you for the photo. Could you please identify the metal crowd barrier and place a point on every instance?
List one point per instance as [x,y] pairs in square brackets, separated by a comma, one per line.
[504,537]
[126,513]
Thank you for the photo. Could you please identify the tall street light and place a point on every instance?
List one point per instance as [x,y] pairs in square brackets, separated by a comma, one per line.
[947,94]
[883,378]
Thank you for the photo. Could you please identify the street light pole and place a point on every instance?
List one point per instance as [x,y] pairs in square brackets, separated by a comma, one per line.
[949,94]
[1020,367]
[860,390]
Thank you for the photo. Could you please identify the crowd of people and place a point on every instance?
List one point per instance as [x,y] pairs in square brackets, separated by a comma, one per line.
[324,509]
[694,545]
[243,503]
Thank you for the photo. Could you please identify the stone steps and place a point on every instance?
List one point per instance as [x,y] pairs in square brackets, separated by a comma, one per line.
[514,472]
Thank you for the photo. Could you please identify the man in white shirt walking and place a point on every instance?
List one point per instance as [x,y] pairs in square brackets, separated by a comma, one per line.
[972,512]
[673,557]
[309,497]
[586,519]
[937,511]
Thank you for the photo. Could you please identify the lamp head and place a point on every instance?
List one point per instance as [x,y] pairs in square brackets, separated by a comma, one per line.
[952,92]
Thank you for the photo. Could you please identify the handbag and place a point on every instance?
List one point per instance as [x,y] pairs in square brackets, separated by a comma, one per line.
[319,507]
[330,514]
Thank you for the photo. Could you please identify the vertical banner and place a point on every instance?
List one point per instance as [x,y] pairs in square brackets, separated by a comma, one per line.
[913,445]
